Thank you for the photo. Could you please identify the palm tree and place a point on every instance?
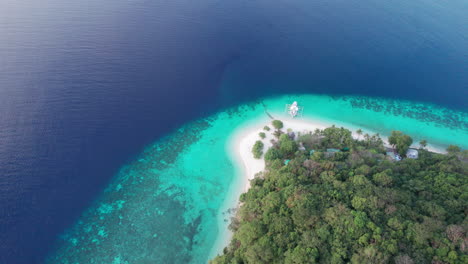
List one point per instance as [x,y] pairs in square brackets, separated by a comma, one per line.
[423,143]
[359,132]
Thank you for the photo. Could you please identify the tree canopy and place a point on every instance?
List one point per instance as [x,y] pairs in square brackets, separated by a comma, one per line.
[257,149]
[352,207]
[423,143]
[400,141]
[277,124]
[453,149]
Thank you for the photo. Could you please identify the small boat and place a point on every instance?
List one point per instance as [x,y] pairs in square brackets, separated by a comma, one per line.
[294,109]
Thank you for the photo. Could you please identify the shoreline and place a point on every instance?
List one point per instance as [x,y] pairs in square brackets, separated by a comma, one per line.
[246,166]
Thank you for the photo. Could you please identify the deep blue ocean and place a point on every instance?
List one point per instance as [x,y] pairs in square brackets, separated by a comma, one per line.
[85,85]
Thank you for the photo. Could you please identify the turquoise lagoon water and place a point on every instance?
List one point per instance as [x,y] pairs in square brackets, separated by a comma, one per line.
[171,203]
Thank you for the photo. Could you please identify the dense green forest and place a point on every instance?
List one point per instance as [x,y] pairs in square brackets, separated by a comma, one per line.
[352,204]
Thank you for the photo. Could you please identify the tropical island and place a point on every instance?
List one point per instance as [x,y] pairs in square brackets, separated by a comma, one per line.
[173,203]
[334,196]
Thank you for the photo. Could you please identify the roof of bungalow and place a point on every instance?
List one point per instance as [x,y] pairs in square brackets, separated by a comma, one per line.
[292,135]
[393,156]
[412,153]
[333,150]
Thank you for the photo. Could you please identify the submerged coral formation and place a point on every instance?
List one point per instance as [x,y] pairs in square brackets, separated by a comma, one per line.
[167,204]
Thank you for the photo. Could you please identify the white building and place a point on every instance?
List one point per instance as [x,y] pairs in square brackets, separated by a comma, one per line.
[412,153]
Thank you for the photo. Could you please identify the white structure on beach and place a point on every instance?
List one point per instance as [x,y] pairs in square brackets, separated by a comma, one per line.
[412,154]
[393,156]
[294,109]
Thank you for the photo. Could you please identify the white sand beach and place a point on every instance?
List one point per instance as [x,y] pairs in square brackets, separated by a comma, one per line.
[244,143]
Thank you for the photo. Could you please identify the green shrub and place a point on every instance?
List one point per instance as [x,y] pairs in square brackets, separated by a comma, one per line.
[277,124]
[262,135]
[310,141]
[266,128]
[287,145]
[453,149]
[278,133]
[272,154]
[257,149]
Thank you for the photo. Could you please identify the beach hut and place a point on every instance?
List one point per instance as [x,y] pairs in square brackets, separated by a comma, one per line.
[391,155]
[412,153]
[333,150]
